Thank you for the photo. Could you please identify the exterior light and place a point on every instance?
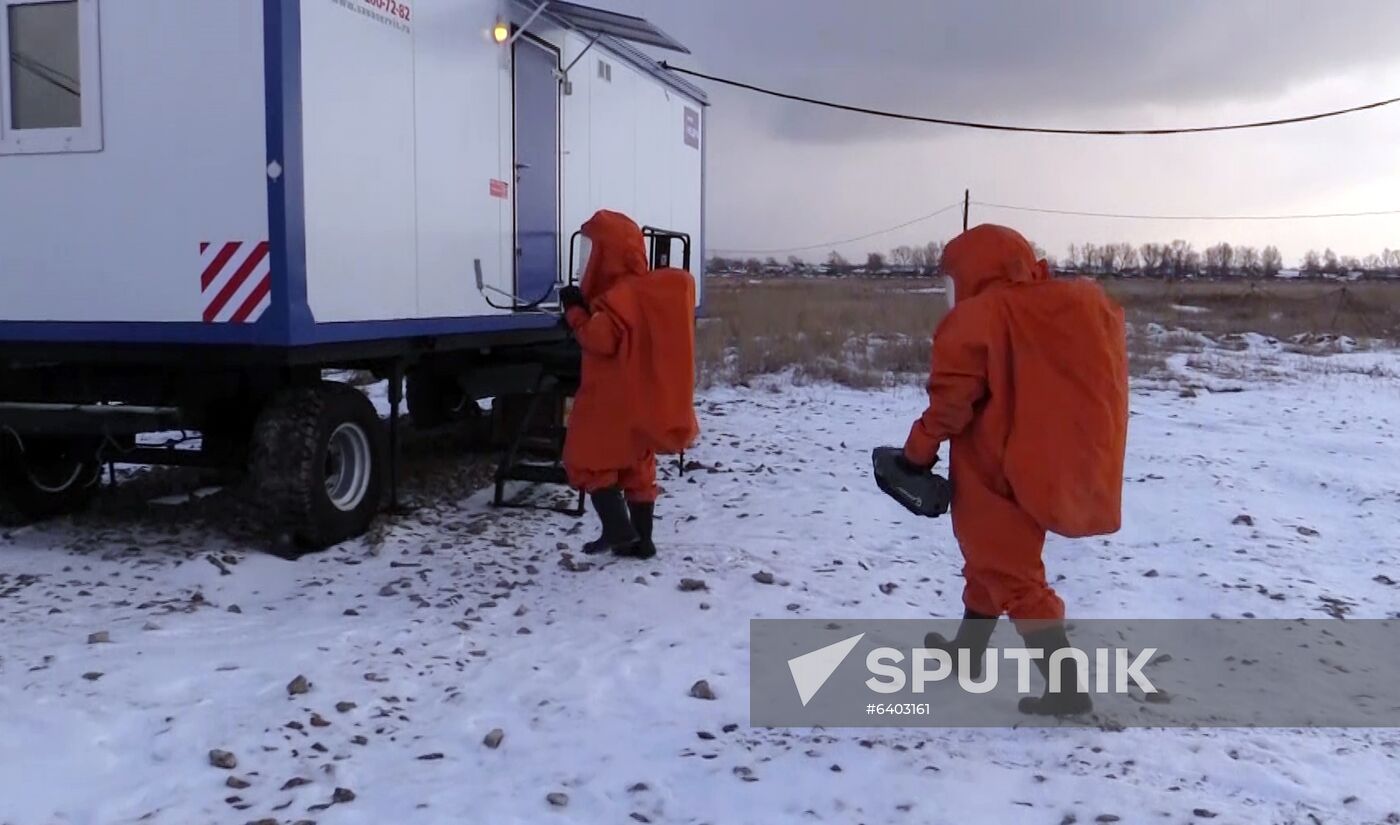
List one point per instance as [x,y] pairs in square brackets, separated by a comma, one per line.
[500,32]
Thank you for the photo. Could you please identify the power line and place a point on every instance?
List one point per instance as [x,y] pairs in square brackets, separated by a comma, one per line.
[1185,217]
[1069,212]
[829,244]
[1002,127]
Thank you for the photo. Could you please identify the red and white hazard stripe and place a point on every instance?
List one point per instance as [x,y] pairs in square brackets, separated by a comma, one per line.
[236,281]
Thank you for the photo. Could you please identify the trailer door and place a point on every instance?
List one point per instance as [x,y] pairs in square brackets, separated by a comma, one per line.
[536,170]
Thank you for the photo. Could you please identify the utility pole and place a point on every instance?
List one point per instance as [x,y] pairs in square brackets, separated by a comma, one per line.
[967,202]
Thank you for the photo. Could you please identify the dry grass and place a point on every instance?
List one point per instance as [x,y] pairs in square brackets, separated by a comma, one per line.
[867,333]
[856,332]
[1310,317]
[1279,309]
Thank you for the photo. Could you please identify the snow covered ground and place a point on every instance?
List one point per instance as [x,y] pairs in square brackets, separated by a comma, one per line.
[457,620]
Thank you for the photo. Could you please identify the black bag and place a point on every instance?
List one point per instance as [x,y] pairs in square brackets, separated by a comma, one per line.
[923,494]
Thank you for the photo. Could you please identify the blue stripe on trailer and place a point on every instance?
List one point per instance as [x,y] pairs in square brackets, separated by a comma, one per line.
[141,332]
[194,333]
[344,331]
[286,203]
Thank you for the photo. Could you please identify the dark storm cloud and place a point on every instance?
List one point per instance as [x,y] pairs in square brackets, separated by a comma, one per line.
[788,175]
[1019,60]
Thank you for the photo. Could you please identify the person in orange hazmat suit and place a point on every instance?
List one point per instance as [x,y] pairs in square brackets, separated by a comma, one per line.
[1029,385]
[636,397]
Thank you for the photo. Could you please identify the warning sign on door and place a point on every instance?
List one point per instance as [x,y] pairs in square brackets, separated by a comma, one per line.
[500,189]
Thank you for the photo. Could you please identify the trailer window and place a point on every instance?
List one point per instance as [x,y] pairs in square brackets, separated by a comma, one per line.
[46,86]
[49,72]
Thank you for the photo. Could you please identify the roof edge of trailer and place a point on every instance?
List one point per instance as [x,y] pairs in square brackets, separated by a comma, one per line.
[640,60]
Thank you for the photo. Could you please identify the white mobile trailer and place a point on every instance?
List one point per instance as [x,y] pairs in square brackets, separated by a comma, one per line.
[204,203]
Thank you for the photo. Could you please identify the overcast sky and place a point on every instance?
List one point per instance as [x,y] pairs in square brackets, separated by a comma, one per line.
[784,175]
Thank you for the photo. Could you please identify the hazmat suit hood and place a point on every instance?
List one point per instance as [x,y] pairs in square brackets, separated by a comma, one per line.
[988,255]
[618,251]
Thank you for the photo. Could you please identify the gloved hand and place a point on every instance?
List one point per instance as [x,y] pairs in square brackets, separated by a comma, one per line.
[570,297]
[910,467]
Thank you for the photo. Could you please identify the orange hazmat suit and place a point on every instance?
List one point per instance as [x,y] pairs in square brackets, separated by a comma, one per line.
[636,396]
[1029,383]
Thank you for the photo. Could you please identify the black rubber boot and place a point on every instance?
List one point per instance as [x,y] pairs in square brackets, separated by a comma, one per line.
[618,533]
[643,513]
[1069,699]
[973,634]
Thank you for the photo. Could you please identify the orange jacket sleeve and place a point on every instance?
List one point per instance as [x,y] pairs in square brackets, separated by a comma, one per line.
[957,381]
[596,332]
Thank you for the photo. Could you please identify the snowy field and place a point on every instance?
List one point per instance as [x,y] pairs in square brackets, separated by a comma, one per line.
[134,647]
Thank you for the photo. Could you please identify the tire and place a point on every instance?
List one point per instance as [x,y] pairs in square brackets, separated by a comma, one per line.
[49,477]
[437,400]
[318,463]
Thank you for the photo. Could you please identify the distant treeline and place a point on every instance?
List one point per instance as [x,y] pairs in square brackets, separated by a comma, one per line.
[1178,259]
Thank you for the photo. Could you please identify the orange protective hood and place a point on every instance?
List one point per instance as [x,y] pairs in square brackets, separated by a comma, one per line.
[619,251]
[989,255]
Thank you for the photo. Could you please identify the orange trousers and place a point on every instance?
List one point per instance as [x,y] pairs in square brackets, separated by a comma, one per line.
[638,482]
[1001,546]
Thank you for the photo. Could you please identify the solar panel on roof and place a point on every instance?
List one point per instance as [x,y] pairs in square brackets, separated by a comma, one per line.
[597,21]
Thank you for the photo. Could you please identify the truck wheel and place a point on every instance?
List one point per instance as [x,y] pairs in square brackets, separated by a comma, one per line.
[437,400]
[318,462]
[49,477]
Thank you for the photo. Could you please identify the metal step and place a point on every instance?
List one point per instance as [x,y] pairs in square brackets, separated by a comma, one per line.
[534,474]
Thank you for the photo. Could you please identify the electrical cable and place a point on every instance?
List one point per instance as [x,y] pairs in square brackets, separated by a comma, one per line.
[830,244]
[516,304]
[1002,127]
[1070,212]
[1314,216]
